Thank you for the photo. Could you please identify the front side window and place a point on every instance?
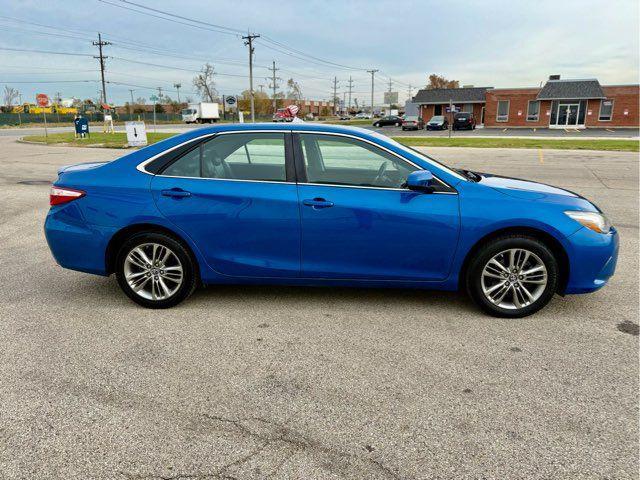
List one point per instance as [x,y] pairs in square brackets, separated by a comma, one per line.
[503,111]
[346,161]
[606,110]
[237,156]
[533,111]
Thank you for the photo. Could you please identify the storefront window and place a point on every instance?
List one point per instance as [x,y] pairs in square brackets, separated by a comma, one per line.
[606,110]
[503,111]
[533,111]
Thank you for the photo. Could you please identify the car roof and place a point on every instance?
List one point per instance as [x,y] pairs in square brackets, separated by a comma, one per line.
[277,127]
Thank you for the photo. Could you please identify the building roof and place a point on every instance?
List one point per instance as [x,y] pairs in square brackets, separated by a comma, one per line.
[571,89]
[456,95]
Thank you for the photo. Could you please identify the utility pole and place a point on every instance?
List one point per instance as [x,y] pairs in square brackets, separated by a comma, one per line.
[131,105]
[102,58]
[390,86]
[409,91]
[249,42]
[159,94]
[350,89]
[274,85]
[177,87]
[372,72]
[335,95]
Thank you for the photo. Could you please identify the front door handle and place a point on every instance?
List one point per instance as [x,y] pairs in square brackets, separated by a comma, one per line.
[175,193]
[317,203]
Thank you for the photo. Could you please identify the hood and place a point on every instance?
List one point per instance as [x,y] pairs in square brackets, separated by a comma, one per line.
[80,166]
[524,189]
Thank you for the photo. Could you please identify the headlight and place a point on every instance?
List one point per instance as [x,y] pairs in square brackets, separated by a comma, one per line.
[592,220]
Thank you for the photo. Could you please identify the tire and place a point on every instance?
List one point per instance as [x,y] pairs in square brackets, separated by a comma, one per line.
[132,269]
[523,294]
[377,125]
[397,124]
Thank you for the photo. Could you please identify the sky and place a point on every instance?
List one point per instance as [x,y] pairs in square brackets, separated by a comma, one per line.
[497,43]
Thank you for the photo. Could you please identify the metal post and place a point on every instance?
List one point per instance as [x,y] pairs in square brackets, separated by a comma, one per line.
[46,134]
[372,72]
[335,95]
[249,42]
[132,102]
[450,116]
[154,116]
[350,88]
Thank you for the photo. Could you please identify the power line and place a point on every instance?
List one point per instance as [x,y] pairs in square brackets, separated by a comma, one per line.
[48,52]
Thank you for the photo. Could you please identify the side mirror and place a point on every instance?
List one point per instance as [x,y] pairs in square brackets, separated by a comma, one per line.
[420,181]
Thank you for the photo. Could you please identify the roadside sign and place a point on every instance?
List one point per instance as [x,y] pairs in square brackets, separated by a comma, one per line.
[136,133]
[390,97]
[453,109]
[42,99]
[230,101]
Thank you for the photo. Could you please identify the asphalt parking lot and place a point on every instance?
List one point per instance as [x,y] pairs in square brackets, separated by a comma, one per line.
[310,383]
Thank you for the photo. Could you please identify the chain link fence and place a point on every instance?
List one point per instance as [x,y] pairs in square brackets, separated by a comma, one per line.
[11,119]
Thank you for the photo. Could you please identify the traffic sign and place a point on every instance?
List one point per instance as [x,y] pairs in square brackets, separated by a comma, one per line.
[136,133]
[42,100]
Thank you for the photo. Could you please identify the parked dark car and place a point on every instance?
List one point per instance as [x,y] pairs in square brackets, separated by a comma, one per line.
[438,122]
[394,120]
[464,121]
[413,122]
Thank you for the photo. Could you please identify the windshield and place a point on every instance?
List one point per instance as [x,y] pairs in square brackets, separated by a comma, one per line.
[438,118]
[188,111]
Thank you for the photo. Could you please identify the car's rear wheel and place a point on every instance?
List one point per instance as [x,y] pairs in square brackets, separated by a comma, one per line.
[512,276]
[155,270]
[377,125]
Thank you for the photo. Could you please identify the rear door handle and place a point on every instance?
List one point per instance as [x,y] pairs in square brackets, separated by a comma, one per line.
[176,193]
[317,203]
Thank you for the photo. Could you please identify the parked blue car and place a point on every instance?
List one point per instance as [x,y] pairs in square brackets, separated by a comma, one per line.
[305,204]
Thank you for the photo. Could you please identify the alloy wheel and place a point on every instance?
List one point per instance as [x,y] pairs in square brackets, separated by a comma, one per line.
[153,271]
[514,278]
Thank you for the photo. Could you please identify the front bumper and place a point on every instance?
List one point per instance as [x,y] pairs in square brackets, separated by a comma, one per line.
[592,260]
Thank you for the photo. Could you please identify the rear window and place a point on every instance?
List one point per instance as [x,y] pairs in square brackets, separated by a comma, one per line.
[463,116]
[411,119]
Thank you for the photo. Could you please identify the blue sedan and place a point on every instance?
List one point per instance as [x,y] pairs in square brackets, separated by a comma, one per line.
[304,204]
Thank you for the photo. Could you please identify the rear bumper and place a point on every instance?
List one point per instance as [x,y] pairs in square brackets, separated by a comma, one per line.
[75,244]
[592,260]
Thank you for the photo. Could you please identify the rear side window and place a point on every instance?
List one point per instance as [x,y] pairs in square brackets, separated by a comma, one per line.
[186,166]
[237,156]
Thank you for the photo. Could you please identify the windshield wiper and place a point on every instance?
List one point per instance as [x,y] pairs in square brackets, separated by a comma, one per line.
[469,174]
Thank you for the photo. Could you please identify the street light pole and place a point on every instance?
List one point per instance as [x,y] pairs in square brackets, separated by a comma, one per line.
[372,72]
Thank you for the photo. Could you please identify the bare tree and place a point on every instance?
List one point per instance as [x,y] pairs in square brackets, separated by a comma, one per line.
[437,81]
[294,91]
[141,101]
[10,96]
[205,85]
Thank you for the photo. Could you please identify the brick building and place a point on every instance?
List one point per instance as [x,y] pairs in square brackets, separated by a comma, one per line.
[558,104]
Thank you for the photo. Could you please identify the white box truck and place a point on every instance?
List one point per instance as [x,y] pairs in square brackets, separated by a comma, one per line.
[201,113]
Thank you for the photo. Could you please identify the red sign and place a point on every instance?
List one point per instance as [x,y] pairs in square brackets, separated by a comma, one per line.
[42,99]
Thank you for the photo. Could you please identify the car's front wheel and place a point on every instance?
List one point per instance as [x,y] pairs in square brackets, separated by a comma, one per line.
[513,276]
[155,270]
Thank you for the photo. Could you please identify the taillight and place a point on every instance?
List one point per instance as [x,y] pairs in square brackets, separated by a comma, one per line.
[60,195]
